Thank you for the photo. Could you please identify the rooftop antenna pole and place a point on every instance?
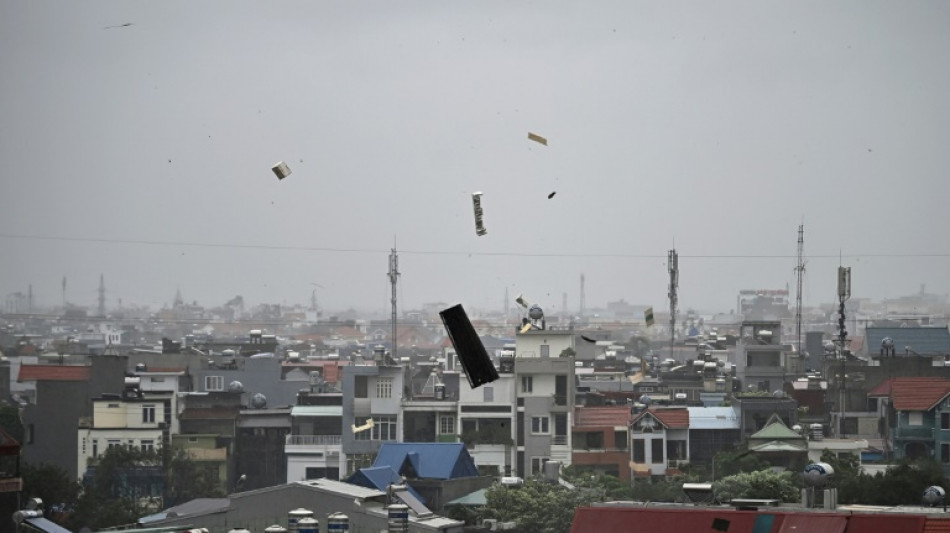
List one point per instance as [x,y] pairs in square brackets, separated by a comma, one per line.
[844,293]
[102,295]
[393,278]
[673,267]
[581,309]
[800,270]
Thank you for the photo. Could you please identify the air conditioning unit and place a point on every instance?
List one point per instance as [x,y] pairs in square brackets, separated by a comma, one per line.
[490,524]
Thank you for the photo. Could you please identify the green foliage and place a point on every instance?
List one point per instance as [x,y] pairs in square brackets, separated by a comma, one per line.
[732,463]
[124,480]
[10,421]
[568,352]
[537,506]
[607,486]
[763,484]
[188,479]
[900,484]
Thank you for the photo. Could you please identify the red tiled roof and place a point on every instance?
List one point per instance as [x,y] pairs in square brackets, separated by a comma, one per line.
[676,418]
[913,394]
[601,416]
[53,373]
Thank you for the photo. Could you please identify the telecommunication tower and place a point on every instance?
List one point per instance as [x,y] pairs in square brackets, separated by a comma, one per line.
[673,267]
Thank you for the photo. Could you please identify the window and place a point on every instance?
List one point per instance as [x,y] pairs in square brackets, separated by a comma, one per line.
[447,425]
[944,453]
[537,465]
[384,427]
[214,383]
[915,418]
[540,425]
[157,379]
[656,448]
[113,443]
[620,440]
[361,387]
[545,350]
[148,445]
[527,384]
[944,420]
[639,454]
[95,447]
[148,414]
[488,394]
[384,387]
[113,406]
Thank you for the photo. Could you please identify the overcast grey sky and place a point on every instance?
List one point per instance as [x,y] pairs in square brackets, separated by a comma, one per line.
[143,152]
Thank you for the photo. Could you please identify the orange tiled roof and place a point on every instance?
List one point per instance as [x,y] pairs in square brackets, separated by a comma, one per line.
[914,394]
[53,373]
[601,416]
[675,418]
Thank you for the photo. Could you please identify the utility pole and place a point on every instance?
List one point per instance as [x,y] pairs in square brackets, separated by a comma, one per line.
[581,308]
[673,267]
[800,270]
[393,278]
[102,295]
[844,293]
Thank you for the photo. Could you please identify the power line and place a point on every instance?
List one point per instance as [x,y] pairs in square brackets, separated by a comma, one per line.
[461,253]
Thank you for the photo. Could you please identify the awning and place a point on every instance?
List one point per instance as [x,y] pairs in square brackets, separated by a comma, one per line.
[813,523]
[474,499]
[42,524]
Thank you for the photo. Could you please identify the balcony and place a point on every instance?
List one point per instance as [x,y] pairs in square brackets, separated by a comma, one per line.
[327,444]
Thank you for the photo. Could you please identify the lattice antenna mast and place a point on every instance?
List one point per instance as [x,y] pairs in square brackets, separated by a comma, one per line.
[102,295]
[800,271]
[581,307]
[673,267]
[393,278]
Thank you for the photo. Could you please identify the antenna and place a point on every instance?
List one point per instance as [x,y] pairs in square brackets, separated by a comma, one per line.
[673,267]
[581,310]
[800,270]
[393,278]
[102,295]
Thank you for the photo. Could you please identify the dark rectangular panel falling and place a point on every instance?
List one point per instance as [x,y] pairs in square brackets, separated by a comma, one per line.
[720,524]
[478,366]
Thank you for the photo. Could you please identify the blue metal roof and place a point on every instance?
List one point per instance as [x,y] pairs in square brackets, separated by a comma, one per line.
[380,478]
[924,341]
[430,460]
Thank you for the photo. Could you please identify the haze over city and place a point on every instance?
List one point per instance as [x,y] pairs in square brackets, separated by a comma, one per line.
[138,138]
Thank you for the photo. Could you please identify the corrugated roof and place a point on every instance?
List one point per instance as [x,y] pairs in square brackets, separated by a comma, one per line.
[775,429]
[605,416]
[54,373]
[430,460]
[317,410]
[713,418]
[913,394]
[924,341]
[672,418]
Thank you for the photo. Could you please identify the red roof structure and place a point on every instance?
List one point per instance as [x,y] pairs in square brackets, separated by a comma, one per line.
[671,417]
[601,416]
[53,373]
[913,394]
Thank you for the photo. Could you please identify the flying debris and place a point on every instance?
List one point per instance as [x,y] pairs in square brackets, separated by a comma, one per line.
[537,138]
[364,427]
[552,194]
[478,366]
[126,25]
[281,170]
[588,339]
[477,205]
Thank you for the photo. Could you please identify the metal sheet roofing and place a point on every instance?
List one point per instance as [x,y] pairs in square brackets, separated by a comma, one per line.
[430,460]
[601,416]
[924,341]
[317,410]
[54,373]
[713,418]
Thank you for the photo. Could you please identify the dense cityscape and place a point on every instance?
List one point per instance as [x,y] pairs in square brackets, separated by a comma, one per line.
[269,402]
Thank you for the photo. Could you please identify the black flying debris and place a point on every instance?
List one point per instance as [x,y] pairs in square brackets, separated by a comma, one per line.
[552,194]
[588,339]
[475,360]
[126,25]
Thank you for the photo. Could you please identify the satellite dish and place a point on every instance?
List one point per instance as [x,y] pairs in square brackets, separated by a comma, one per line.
[646,400]
[818,474]
[235,386]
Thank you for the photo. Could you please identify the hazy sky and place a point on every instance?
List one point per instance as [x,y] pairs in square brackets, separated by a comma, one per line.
[143,152]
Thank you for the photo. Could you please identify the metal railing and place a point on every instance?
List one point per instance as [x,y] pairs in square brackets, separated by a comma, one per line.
[313,440]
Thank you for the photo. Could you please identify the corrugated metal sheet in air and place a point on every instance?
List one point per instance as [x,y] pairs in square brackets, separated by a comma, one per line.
[809,523]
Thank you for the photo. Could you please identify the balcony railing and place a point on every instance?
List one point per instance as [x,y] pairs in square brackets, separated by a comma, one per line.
[559,440]
[925,433]
[313,440]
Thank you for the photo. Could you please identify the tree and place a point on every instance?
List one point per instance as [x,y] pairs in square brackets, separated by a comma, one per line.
[537,506]
[188,479]
[763,484]
[731,463]
[51,484]
[10,421]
